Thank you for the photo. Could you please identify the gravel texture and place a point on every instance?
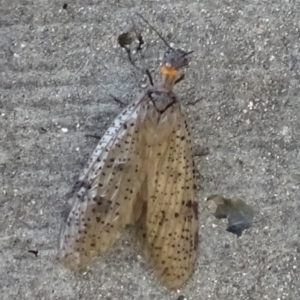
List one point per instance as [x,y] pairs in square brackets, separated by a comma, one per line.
[60,61]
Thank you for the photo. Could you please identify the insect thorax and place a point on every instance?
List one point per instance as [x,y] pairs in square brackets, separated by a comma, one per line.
[162,100]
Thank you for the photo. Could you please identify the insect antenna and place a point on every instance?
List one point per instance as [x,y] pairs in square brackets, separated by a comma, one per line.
[162,38]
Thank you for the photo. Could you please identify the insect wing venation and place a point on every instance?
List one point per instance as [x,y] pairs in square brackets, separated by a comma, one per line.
[169,219]
[103,204]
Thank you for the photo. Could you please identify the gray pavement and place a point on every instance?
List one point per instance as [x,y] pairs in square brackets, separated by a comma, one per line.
[58,67]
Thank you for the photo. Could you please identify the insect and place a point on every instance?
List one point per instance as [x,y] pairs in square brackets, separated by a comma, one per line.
[141,172]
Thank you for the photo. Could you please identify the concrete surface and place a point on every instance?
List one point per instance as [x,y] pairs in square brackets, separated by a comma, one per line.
[58,67]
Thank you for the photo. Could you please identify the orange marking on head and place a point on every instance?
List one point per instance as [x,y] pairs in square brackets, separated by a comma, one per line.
[169,71]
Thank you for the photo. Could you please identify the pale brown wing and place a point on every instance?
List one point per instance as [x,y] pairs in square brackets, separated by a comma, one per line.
[170,214]
[104,201]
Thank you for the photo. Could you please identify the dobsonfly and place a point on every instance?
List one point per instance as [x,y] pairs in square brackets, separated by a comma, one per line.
[141,172]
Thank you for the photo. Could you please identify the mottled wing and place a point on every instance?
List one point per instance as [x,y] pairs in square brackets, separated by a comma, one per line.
[170,215]
[103,203]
